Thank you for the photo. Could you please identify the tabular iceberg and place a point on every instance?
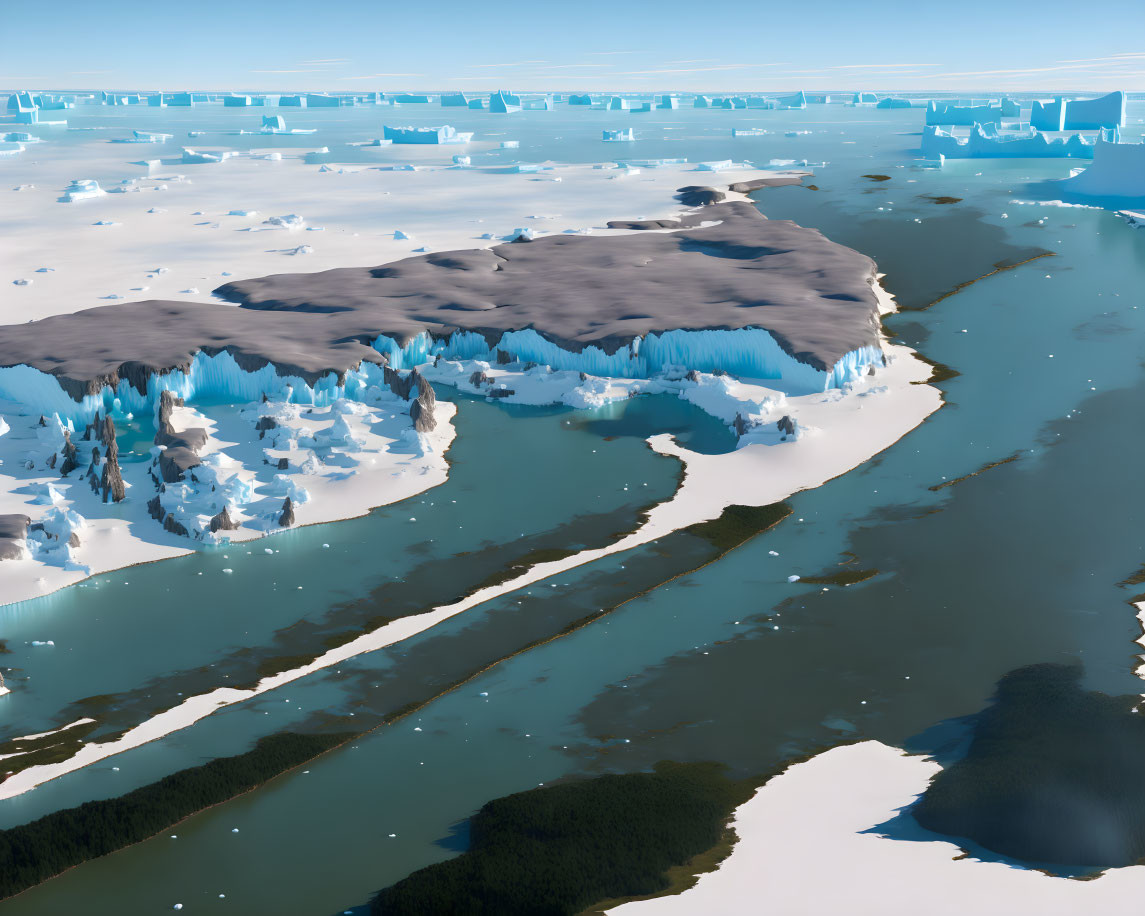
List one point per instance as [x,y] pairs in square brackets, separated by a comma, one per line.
[1118,170]
[1107,111]
[501,102]
[426,135]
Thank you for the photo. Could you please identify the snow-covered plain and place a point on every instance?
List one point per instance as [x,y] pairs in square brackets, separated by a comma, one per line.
[178,217]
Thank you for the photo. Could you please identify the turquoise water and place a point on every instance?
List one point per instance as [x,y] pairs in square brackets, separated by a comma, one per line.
[1017,565]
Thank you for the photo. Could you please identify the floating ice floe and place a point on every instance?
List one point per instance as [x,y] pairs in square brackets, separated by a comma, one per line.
[291,221]
[624,134]
[445,134]
[83,189]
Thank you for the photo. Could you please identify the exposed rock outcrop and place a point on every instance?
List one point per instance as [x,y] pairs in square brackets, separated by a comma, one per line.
[223,521]
[70,460]
[103,474]
[286,518]
[13,533]
[421,410]
[786,425]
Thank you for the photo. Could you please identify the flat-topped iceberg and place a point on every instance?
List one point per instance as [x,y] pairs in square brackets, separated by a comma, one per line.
[1107,111]
[952,113]
[83,189]
[1118,170]
[444,134]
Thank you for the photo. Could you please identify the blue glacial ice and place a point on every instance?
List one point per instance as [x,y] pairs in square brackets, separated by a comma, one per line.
[745,353]
[624,134]
[864,98]
[701,101]
[669,102]
[1118,170]
[543,103]
[454,100]
[952,113]
[236,101]
[799,100]
[83,189]
[1079,114]
[580,100]
[411,99]
[445,134]
[986,142]
[890,102]
[501,102]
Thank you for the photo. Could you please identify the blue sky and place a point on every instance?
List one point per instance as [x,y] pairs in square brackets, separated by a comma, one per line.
[587,44]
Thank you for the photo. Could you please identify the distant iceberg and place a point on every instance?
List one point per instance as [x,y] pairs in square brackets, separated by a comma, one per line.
[426,135]
[624,134]
[799,100]
[952,113]
[1079,114]
[454,100]
[501,102]
[986,142]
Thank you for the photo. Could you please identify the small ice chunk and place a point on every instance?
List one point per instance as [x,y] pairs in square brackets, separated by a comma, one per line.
[793,578]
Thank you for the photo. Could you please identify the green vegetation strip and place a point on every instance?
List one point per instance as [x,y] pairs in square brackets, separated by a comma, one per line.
[560,849]
[737,524]
[46,749]
[34,852]
[986,467]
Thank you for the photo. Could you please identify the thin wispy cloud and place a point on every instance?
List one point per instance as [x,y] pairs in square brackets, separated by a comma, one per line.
[1065,68]
[519,63]
[376,76]
[685,70]
[328,60]
[308,70]
[1135,55]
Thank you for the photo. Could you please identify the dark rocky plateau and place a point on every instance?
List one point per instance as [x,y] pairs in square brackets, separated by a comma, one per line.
[813,296]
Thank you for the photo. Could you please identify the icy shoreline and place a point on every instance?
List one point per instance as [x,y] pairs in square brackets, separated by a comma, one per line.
[863,420]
